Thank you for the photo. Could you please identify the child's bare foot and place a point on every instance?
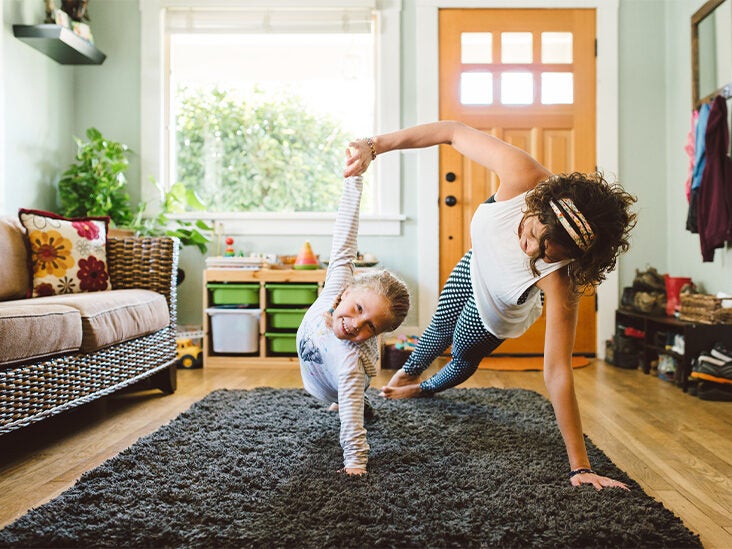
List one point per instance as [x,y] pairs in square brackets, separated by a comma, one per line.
[402,378]
[333,407]
[352,471]
[402,391]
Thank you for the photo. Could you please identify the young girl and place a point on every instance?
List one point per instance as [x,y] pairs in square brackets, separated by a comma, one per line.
[539,233]
[336,341]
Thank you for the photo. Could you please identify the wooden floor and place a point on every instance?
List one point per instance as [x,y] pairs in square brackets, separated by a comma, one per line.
[679,448]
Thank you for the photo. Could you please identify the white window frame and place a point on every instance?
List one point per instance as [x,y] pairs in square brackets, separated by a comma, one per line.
[387,218]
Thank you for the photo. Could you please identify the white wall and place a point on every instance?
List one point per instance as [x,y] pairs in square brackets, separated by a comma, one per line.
[642,97]
[38,115]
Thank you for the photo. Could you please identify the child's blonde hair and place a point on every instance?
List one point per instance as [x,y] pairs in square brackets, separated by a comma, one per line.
[387,285]
[391,288]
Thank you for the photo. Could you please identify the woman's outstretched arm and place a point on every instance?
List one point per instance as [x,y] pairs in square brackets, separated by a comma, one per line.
[561,324]
[517,170]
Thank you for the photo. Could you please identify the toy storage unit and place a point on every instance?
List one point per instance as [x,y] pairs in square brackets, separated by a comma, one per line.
[234,330]
[251,317]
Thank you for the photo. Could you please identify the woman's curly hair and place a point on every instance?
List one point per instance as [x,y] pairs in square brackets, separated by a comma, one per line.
[606,207]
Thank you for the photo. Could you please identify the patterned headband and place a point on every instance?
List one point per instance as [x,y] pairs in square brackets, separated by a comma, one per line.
[582,234]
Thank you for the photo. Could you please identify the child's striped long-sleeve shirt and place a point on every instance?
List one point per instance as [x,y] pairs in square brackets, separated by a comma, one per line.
[336,370]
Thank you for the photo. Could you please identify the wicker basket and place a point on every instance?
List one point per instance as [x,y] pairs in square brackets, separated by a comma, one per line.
[705,309]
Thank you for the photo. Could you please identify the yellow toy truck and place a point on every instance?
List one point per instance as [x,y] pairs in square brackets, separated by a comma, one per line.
[190,354]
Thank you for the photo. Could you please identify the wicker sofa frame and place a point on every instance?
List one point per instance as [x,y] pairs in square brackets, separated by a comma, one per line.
[35,391]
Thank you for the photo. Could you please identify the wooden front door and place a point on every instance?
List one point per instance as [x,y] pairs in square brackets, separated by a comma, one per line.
[526,76]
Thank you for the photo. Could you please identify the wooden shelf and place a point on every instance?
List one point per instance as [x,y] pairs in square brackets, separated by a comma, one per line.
[60,44]
[697,338]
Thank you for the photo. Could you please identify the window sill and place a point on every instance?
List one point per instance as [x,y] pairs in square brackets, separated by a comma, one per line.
[294,224]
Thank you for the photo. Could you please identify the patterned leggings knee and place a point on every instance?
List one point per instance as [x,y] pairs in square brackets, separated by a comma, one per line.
[456,321]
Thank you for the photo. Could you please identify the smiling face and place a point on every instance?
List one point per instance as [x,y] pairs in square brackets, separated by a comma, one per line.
[361,314]
[530,232]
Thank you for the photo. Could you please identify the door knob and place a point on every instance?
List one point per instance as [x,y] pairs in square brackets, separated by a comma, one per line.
[450,177]
[450,200]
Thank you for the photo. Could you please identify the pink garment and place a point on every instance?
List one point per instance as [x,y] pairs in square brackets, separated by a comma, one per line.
[690,150]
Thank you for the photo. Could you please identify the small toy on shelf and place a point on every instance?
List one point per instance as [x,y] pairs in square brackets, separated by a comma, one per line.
[406,342]
[306,258]
[397,351]
[229,251]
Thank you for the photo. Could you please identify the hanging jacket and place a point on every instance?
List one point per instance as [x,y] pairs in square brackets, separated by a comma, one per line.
[699,162]
[714,210]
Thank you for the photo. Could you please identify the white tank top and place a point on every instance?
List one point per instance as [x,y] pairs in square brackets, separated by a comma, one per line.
[500,270]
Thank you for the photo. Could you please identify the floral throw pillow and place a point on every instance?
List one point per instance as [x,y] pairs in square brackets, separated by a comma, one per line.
[67,256]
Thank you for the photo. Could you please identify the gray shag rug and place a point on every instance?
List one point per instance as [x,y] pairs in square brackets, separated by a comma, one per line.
[467,468]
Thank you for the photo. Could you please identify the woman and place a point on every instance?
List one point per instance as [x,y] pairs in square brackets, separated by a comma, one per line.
[538,234]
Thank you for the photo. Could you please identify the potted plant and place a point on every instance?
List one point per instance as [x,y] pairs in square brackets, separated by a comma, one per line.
[176,200]
[96,184]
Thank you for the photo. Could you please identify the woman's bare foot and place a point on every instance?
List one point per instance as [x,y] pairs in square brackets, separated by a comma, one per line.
[402,378]
[402,391]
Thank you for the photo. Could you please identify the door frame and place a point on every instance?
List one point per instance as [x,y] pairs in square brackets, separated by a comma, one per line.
[427,109]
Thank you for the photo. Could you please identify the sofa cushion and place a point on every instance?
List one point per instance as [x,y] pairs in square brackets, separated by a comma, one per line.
[67,256]
[30,331]
[113,317]
[14,276]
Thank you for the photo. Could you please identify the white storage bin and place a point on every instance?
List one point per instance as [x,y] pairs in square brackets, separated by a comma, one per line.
[234,330]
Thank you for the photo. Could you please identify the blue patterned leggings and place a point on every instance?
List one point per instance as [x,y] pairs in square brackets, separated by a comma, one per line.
[456,321]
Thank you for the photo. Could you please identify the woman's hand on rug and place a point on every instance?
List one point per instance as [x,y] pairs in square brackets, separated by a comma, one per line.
[351,471]
[598,481]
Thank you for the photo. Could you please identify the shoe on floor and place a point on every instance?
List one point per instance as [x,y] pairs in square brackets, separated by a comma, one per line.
[721,352]
[707,390]
[706,364]
[693,387]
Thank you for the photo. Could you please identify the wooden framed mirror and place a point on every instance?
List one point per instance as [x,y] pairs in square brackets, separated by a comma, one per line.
[711,51]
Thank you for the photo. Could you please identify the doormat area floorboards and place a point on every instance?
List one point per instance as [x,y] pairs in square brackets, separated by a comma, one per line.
[525,363]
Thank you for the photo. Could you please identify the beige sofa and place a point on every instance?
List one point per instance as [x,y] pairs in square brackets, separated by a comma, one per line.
[60,351]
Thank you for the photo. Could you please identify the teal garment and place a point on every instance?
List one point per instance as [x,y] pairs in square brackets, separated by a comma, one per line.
[700,156]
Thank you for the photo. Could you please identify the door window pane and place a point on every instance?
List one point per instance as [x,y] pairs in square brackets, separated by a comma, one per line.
[517,88]
[556,47]
[516,47]
[557,88]
[476,47]
[476,88]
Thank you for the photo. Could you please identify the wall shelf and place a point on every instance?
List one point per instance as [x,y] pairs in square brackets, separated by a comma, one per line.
[60,44]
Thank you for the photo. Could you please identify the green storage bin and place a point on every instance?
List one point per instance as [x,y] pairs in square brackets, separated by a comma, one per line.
[291,294]
[285,319]
[281,343]
[234,294]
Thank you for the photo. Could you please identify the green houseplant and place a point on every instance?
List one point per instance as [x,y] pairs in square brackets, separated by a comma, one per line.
[176,200]
[96,185]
